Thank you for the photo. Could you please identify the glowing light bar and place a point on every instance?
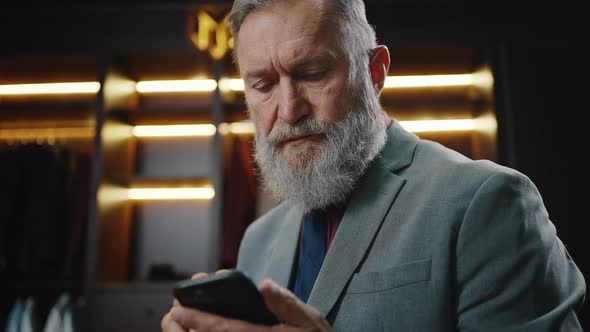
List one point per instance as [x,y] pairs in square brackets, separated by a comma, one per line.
[190,130]
[237,128]
[231,84]
[422,126]
[205,85]
[483,79]
[235,84]
[202,193]
[427,81]
[50,88]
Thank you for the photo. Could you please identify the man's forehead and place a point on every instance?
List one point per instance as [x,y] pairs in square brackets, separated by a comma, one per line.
[310,59]
[290,31]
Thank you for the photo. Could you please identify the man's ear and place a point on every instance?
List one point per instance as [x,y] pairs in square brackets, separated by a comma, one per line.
[379,67]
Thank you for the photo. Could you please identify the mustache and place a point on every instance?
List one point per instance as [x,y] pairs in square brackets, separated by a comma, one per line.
[283,132]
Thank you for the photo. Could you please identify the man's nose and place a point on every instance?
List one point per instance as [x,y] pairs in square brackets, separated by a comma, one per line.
[292,105]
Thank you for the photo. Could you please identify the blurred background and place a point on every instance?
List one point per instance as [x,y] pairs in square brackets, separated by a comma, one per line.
[125,145]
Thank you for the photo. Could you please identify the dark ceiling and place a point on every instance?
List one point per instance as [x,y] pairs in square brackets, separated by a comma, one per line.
[109,26]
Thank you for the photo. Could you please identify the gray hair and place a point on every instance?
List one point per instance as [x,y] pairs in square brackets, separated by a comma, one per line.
[357,36]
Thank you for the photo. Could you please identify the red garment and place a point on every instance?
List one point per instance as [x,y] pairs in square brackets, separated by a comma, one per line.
[239,201]
[333,220]
[333,217]
[387,119]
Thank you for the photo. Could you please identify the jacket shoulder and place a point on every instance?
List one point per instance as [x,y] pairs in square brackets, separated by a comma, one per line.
[260,235]
[443,163]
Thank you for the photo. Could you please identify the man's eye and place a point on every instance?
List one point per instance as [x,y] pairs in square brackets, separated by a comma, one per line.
[262,86]
[313,76]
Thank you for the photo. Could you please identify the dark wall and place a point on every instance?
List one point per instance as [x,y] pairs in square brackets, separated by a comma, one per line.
[547,98]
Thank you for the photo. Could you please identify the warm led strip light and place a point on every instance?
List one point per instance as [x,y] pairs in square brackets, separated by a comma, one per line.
[482,79]
[204,85]
[236,84]
[427,81]
[142,194]
[49,88]
[422,126]
[190,130]
[196,130]
[231,84]
[236,128]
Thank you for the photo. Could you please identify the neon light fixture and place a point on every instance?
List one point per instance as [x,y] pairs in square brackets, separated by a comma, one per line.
[428,81]
[204,85]
[189,130]
[421,126]
[188,193]
[49,88]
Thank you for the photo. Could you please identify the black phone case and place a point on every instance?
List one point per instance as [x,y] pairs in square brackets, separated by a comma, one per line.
[230,294]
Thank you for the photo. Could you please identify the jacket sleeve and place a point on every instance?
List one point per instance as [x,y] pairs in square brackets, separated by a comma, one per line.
[512,272]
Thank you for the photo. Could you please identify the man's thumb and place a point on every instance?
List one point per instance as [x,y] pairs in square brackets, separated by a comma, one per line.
[288,308]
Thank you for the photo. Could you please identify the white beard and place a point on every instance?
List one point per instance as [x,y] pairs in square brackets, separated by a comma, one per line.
[328,173]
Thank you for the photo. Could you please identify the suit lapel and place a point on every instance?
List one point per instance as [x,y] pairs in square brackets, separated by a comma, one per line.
[284,249]
[362,219]
[360,223]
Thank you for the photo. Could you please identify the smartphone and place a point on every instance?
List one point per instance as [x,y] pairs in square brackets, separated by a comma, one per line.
[229,294]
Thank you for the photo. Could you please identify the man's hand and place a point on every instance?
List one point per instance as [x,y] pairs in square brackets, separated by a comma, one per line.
[295,315]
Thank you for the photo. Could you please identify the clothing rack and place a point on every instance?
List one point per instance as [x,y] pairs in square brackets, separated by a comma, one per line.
[58,311]
[43,222]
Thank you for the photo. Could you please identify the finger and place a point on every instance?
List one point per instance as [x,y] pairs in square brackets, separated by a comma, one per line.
[221,271]
[199,275]
[169,325]
[200,320]
[288,308]
[193,277]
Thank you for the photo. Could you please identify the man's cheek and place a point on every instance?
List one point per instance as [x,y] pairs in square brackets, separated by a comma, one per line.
[264,122]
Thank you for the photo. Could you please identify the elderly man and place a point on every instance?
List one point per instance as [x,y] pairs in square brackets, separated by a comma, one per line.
[377,230]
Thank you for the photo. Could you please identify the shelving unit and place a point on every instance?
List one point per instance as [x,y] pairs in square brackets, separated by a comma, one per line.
[139,236]
[140,162]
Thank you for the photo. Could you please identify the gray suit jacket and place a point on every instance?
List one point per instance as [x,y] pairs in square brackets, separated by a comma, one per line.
[431,241]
